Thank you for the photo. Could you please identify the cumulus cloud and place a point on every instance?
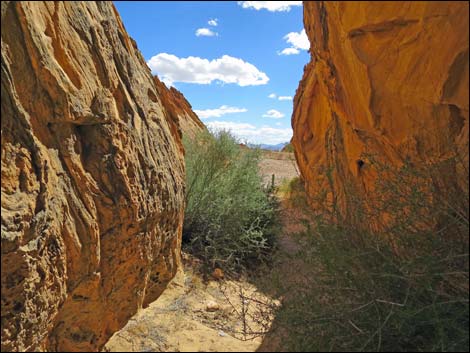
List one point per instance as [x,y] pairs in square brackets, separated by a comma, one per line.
[218,112]
[298,41]
[273,114]
[272,6]
[289,51]
[253,134]
[205,32]
[225,69]
[272,96]
[213,22]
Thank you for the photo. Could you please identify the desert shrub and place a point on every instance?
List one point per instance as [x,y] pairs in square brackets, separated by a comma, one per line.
[230,217]
[288,148]
[287,185]
[292,190]
[404,287]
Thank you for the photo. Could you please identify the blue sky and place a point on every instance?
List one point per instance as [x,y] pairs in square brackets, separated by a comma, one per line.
[237,63]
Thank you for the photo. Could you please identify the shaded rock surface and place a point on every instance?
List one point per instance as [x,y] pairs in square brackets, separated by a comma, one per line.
[92,177]
[386,79]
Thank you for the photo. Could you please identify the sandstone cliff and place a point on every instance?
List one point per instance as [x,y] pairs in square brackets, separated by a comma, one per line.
[386,79]
[178,110]
[92,177]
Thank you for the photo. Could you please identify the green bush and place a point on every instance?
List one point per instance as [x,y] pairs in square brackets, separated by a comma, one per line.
[288,148]
[403,288]
[229,217]
[293,191]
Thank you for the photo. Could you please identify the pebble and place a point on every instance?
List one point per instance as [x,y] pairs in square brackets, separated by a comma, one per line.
[218,274]
[212,306]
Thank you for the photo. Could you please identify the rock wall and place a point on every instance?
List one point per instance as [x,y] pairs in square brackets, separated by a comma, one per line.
[179,110]
[385,79]
[92,177]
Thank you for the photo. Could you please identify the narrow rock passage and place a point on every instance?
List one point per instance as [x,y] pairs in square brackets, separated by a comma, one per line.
[197,314]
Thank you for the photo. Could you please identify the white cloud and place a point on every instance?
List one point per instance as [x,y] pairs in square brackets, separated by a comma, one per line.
[226,69]
[213,22]
[289,51]
[281,98]
[298,41]
[278,124]
[218,112]
[205,32]
[270,5]
[253,134]
[273,114]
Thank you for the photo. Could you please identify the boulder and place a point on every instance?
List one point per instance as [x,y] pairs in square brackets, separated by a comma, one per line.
[388,80]
[92,185]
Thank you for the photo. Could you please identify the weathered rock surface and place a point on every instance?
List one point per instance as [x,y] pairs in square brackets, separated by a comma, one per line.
[92,177]
[386,79]
[179,110]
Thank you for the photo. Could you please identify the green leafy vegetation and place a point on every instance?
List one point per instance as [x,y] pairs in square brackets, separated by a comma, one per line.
[393,275]
[293,191]
[288,148]
[230,217]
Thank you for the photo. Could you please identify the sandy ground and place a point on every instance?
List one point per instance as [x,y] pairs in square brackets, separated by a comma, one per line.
[281,164]
[179,320]
[289,268]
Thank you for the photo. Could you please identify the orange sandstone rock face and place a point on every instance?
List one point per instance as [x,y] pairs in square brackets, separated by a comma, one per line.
[92,177]
[179,111]
[387,79]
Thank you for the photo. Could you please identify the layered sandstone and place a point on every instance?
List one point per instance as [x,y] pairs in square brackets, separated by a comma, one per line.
[92,177]
[385,79]
[179,110]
